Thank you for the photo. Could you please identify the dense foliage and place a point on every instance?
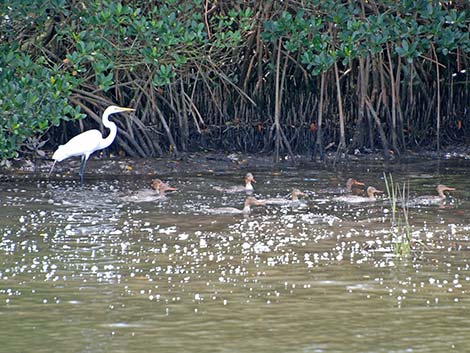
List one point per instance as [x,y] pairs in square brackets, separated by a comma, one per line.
[253,76]
[31,99]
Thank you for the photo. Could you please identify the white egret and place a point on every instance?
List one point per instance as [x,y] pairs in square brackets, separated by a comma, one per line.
[89,141]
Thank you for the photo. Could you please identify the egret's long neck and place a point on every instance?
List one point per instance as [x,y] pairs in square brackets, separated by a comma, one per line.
[112,134]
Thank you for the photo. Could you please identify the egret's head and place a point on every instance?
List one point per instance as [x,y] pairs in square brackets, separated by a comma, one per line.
[60,154]
[115,109]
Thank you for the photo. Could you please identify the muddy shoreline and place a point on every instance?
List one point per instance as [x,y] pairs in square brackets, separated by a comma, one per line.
[208,162]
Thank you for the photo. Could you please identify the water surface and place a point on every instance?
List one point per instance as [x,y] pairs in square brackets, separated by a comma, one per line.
[83,269]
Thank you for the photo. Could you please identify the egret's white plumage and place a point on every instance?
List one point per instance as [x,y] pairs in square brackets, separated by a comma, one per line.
[89,141]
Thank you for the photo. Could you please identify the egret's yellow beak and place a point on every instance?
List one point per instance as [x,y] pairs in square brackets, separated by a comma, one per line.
[123,109]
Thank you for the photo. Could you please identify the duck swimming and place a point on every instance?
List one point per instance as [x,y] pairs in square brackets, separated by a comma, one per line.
[249,201]
[294,200]
[350,183]
[371,191]
[351,187]
[249,178]
[161,187]
[150,195]
[433,199]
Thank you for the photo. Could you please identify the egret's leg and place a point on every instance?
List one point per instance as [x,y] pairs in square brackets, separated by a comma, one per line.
[52,168]
[82,168]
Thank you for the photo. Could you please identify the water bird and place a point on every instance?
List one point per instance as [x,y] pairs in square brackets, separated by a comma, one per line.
[161,187]
[249,201]
[350,183]
[371,191]
[294,200]
[349,188]
[249,178]
[433,199]
[157,193]
[89,141]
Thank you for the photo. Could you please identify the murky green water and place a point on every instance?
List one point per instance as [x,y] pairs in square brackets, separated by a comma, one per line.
[83,269]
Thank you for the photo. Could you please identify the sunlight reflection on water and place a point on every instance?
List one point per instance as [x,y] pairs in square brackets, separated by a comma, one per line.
[163,275]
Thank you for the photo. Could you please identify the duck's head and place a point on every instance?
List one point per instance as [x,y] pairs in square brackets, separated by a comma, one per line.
[351,182]
[249,178]
[441,188]
[296,193]
[371,191]
[160,186]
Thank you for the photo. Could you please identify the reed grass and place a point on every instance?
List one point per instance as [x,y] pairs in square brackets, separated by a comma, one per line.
[399,197]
